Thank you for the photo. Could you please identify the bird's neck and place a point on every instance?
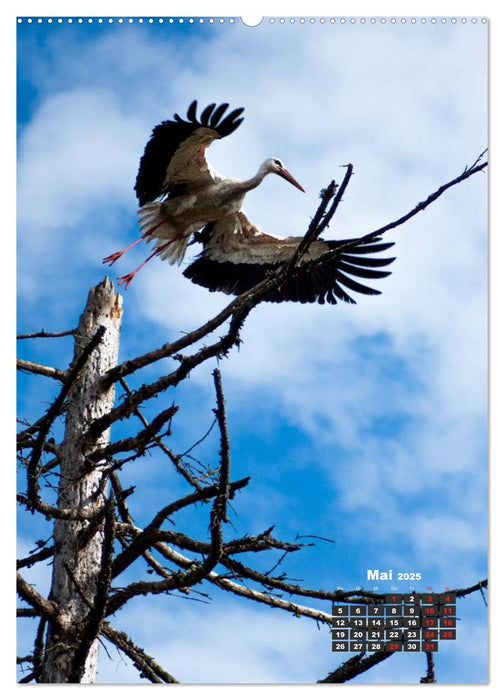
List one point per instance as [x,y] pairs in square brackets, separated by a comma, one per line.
[254,181]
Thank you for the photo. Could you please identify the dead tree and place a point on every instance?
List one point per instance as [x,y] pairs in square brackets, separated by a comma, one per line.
[95,537]
[82,545]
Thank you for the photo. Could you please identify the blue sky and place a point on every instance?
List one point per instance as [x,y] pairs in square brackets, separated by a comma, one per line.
[368,426]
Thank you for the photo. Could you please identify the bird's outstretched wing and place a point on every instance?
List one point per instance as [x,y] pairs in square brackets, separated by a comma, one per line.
[174,156]
[251,258]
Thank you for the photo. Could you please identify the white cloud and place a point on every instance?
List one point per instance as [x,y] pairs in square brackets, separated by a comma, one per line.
[76,154]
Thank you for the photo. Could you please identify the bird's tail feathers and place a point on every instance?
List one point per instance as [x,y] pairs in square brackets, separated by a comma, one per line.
[159,227]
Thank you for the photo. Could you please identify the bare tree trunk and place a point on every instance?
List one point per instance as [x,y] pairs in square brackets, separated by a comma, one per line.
[72,651]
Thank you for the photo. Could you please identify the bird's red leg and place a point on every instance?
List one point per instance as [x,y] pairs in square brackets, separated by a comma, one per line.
[127,279]
[111,259]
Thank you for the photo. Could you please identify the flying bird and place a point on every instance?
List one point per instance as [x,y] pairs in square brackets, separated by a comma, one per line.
[184,200]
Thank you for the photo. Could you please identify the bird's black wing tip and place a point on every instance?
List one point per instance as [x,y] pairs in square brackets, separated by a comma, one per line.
[192,110]
[230,123]
[212,117]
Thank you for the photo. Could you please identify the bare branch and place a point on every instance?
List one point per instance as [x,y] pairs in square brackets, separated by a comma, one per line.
[219,514]
[137,443]
[126,517]
[337,199]
[38,647]
[170,349]
[149,391]
[44,553]
[42,606]
[294,589]
[246,591]
[37,368]
[151,535]
[241,590]
[203,494]
[468,172]
[315,228]
[462,592]
[44,334]
[144,663]
[195,571]
[27,435]
[430,676]
[91,514]
[355,666]
[322,219]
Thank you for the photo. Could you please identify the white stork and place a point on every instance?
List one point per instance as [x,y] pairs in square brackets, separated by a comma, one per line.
[182,197]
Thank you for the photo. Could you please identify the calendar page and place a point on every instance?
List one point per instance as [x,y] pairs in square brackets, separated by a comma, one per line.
[252,322]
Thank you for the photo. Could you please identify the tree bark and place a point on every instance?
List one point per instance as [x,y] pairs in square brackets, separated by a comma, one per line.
[72,651]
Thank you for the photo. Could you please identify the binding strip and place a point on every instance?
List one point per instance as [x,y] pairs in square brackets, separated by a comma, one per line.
[247,20]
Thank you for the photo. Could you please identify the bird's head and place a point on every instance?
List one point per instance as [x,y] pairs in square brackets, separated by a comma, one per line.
[275,165]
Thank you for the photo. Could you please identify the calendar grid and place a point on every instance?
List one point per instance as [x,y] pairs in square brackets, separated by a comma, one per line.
[408,622]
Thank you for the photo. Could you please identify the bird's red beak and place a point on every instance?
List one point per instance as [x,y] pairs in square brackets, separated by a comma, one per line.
[287,176]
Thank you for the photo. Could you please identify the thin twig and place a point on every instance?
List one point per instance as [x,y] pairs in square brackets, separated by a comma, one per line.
[176,459]
[199,441]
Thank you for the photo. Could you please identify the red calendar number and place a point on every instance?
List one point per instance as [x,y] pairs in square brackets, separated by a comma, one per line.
[448,610]
[447,634]
[447,622]
[445,598]
[430,634]
[430,622]
[392,598]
